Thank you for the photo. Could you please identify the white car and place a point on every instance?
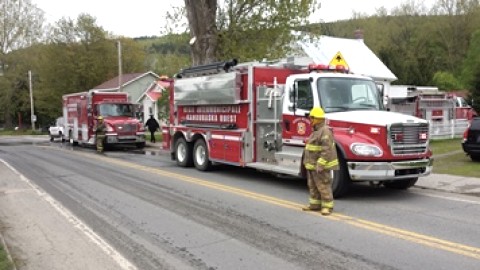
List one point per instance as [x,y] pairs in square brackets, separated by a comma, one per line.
[57,130]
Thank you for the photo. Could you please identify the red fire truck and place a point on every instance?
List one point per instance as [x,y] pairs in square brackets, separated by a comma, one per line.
[429,103]
[80,112]
[254,115]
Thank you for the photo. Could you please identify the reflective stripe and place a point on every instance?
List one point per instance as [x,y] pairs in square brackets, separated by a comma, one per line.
[332,163]
[313,148]
[326,164]
[310,166]
[314,201]
[327,204]
[322,161]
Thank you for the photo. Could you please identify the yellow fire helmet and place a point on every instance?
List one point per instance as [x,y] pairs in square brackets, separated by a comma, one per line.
[317,112]
[100,117]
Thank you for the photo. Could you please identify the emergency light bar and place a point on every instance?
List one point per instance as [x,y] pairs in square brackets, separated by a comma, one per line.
[327,68]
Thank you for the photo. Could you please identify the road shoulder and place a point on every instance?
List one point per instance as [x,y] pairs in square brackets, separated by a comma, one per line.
[42,237]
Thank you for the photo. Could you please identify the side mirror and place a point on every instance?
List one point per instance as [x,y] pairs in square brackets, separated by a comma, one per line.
[380,89]
[294,95]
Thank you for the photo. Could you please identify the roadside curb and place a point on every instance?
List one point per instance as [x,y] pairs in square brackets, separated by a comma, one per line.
[450,183]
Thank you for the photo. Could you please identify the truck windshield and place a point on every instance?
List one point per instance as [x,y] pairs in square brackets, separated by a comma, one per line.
[115,110]
[348,94]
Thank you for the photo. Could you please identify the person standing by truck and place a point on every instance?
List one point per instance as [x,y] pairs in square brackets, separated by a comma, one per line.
[320,159]
[100,131]
[153,126]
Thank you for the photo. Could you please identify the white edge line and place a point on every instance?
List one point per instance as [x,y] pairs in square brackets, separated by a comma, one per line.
[77,223]
[447,196]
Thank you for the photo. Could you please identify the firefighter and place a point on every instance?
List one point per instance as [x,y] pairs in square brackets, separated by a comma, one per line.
[153,126]
[100,131]
[320,158]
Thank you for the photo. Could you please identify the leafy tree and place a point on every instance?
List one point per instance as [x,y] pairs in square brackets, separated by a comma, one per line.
[471,70]
[21,25]
[167,54]
[454,32]
[446,81]
[245,29]
[80,56]
[163,104]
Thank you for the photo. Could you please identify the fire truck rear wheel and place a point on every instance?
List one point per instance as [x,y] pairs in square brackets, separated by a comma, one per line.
[200,156]
[183,153]
[401,184]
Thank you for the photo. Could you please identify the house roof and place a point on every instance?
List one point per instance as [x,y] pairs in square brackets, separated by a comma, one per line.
[126,80]
[155,90]
[154,96]
[359,58]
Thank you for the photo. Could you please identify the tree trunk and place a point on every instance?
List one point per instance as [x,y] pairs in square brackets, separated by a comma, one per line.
[201,15]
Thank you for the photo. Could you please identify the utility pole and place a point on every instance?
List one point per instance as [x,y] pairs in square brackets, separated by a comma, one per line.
[119,46]
[33,117]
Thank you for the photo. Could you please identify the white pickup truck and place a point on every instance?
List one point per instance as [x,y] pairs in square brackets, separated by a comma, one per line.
[57,130]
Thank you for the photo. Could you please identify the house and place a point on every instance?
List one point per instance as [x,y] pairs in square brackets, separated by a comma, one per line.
[132,83]
[148,100]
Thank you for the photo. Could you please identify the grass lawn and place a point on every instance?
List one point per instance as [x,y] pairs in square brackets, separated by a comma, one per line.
[440,147]
[20,132]
[449,158]
[5,263]
[457,164]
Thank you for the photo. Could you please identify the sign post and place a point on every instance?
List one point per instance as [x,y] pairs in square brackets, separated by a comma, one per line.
[33,116]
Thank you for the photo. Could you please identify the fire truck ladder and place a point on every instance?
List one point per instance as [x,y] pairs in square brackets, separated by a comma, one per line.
[271,155]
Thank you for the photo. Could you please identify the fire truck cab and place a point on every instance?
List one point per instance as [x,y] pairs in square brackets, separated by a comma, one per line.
[256,115]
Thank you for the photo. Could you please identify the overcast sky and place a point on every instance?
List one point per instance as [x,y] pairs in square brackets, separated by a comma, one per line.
[145,17]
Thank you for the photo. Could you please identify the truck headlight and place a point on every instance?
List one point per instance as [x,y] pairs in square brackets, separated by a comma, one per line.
[140,127]
[110,128]
[366,150]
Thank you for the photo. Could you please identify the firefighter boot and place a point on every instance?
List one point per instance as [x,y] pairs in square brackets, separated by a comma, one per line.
[326,211]
[311,207]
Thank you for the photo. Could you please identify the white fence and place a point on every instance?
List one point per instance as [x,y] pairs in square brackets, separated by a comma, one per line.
[448,129]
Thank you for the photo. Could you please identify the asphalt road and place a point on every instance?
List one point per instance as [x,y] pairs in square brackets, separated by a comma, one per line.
[159,216]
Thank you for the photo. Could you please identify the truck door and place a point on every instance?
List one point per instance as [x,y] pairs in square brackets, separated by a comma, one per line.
[296,125]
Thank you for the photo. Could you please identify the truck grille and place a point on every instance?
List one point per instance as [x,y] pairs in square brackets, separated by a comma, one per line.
[407,139]
[125,128]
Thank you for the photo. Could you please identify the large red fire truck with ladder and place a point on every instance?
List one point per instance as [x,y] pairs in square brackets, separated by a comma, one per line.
[255,115]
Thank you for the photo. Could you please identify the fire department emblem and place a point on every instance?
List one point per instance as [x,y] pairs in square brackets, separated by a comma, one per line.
[301,128]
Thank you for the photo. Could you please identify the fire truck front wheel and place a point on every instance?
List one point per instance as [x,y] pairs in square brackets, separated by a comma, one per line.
[341,179]
[200,156]
[183,153]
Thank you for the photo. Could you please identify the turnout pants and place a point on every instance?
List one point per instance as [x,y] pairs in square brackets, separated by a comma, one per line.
[100,140]
[320,188]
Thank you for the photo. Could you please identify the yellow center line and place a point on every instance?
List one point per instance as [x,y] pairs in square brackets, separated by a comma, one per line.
[457,248]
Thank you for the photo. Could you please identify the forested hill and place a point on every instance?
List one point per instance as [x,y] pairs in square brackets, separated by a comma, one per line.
[420,50]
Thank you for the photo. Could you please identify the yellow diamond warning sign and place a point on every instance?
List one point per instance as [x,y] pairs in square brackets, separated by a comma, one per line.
[338,60]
